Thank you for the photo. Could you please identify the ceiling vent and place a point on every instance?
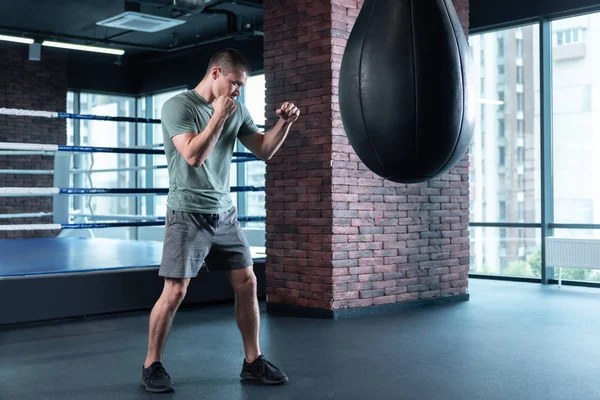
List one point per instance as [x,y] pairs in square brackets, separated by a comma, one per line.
[135,21]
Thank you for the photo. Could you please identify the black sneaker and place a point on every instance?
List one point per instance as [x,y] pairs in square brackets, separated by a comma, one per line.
[262,370]
[156,379]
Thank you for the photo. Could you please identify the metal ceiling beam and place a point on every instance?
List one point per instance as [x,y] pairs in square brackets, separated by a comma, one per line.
[92,41]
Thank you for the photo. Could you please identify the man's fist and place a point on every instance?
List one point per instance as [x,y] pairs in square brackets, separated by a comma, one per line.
[288,112]
[224,106]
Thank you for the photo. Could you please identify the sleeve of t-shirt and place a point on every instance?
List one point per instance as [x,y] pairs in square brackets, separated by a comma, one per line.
[177,117]
[248,126]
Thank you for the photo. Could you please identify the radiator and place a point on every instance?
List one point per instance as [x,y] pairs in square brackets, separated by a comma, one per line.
[572,253]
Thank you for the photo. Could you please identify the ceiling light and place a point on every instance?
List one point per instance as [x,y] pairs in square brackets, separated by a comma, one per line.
[70,46]
[16,39]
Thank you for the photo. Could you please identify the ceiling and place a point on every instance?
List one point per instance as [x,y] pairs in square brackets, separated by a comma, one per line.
[75,22]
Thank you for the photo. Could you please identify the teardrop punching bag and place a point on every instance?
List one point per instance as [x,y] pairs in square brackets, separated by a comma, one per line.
[404,89]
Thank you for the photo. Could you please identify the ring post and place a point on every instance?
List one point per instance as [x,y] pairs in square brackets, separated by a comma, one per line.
[62,176]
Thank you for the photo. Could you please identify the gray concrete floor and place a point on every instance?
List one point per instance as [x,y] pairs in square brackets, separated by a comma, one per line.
[510,341]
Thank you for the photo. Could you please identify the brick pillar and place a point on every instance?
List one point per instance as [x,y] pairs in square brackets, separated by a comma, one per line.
[339,238]
[31,85]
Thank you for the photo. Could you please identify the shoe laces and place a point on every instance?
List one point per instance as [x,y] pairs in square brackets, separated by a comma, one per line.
[159,370]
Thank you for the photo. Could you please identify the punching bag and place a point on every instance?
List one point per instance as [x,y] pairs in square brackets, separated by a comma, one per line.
[404,89]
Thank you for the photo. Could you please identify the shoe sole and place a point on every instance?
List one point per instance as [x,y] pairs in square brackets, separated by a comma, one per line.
[158,390]
[263,380]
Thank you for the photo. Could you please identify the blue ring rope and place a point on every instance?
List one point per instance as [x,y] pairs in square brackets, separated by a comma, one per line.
[112,191]
[123,150]
[246,155]
[111,225]
[65,115]
[233,161]
[158,222]
[107,118]
[158,191]
[251,219]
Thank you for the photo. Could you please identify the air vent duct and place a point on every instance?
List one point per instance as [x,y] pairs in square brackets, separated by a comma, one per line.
[136,21]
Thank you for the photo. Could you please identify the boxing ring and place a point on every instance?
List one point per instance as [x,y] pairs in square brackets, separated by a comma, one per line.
[71,277]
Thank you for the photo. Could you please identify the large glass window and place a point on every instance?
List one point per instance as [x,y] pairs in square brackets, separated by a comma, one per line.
[99,170]
[516,252]
[253,173]
[576,131]
[510,126]
[576,120]
[503,185]
[151,135]
[506,192]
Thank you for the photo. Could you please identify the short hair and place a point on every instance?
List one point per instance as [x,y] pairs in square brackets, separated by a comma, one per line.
[229,60]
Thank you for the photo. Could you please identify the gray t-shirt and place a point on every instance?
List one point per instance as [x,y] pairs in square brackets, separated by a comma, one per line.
[204,189]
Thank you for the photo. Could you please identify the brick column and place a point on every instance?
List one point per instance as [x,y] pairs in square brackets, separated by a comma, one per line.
[339,238]
[31,85]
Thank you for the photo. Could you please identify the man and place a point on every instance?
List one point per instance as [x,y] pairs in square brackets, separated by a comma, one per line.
[200,128]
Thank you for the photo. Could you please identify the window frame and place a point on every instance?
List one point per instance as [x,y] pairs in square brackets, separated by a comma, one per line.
[546,224]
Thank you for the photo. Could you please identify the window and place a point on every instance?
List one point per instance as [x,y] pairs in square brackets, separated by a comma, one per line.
[521,209]
[151,134]
[576,137]
[520,128]
[515,250]
[568,36]
[89,208]
[494,191]
[520,102]
[520,155]
[253,173]
[495,251]
[501,128]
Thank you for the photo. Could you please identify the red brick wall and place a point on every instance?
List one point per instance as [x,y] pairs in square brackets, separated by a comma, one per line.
[30,85]
[339,236]
[297,53]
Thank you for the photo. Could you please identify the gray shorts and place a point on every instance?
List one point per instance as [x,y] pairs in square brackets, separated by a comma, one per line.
[194,239]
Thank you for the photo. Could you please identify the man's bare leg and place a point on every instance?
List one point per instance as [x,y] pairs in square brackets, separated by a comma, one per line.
[256,366]
[161,317]
[246,310]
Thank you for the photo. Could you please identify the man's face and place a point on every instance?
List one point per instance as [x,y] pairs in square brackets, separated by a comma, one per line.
[230,84]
